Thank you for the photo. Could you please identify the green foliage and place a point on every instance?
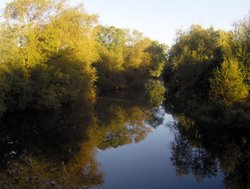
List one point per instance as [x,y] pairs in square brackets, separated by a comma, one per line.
[190,60]
[111,42]
[193,59]
[158,54]
[241,45]
[208,73]
[227,84]
[53,54]
[47,51]
[127,58]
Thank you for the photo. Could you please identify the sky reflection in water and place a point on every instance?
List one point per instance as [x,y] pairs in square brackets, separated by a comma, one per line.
[116,145]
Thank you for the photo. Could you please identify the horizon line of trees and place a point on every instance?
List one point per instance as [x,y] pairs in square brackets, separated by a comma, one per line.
[208,73]
[52,54]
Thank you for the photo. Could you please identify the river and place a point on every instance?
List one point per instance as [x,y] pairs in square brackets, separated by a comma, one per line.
[120,144]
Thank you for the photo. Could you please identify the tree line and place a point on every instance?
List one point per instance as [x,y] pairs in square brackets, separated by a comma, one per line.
[208,73]
[53,53]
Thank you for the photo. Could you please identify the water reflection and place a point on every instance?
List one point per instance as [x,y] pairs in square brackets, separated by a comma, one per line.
[49,150]
[207,151]
[121,124]
[58,149]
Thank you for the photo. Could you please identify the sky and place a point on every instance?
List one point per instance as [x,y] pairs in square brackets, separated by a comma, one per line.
[161,19]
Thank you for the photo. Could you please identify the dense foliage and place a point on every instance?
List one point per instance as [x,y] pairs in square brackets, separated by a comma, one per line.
[227,84]
[46,50]
[208,73]
[127,58]
[53,54]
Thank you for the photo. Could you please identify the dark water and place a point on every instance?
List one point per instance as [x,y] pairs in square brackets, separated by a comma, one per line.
[120,144]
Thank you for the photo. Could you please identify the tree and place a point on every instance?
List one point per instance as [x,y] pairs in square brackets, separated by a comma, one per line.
[241,45]
[47,50]
[135,54]
[111,44]
[158,54]
[127,58]
[190,60]
[227,84]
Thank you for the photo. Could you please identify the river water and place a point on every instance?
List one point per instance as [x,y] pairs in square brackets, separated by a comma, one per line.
[117,144]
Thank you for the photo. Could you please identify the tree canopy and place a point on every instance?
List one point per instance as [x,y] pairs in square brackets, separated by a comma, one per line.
[207,72]
[53,54]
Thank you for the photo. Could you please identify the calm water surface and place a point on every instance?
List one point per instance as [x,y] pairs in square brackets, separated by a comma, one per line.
[147,164]
[117,144]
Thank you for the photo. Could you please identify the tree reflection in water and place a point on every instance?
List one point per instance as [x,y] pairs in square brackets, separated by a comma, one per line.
[49,150]
[206,151]
[58,149]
